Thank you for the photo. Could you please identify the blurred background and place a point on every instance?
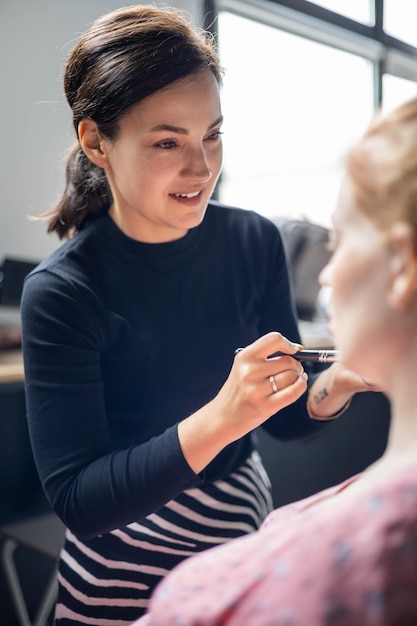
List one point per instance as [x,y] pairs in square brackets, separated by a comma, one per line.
[302,81]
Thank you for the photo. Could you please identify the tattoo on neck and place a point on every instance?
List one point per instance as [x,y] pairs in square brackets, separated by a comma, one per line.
[321,395]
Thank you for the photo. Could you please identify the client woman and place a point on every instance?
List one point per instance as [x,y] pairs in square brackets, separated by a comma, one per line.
[347,555]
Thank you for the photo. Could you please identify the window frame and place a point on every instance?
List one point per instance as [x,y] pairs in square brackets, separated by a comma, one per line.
[306,19]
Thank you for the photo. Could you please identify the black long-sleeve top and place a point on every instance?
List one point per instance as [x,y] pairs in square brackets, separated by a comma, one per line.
[123,339]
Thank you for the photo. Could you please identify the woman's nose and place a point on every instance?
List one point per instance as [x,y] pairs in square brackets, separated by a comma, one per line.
[198,166]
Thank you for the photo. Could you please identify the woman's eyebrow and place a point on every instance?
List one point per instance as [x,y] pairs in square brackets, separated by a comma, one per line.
[179,129]
[216,122]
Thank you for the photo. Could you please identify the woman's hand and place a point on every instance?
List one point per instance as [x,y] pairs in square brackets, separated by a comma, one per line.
[257,387]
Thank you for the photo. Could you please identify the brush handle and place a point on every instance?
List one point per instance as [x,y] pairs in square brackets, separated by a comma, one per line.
[312,356]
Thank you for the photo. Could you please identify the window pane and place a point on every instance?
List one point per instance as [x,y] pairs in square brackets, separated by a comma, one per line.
[396,91]
[291,109]
[358,10]
[399,20]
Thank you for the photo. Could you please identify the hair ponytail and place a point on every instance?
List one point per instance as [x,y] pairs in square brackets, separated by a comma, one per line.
[86,195]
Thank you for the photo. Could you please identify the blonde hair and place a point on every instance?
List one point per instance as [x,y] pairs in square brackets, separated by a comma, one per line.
[383,168]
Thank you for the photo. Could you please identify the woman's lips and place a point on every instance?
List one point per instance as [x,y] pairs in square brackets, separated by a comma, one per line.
[192,194]
[190,199]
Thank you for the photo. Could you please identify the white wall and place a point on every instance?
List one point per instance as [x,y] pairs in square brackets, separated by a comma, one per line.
[36,130]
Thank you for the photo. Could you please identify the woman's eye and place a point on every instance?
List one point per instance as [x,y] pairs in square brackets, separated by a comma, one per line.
[166,145]
[214,136]
[169,144]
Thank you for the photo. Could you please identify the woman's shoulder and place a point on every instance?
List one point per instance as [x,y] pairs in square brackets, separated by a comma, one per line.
[75,255]
[68,272]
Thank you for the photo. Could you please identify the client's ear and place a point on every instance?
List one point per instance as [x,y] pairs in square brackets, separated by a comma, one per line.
[92,142]
[403,286]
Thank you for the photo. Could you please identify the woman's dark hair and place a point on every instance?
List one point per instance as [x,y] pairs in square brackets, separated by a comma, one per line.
[125,56]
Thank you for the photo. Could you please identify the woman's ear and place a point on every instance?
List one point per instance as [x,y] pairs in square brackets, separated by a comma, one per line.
[403,266]
[92,142]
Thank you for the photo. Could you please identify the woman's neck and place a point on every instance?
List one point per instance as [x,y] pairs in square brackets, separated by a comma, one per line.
[402,439]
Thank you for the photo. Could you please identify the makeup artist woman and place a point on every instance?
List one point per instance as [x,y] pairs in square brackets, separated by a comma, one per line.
[139,414]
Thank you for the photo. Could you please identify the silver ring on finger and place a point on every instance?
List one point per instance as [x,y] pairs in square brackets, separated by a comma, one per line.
[273,384]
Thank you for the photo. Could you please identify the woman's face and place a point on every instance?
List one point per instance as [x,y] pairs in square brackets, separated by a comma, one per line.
[166,159]
[358,274]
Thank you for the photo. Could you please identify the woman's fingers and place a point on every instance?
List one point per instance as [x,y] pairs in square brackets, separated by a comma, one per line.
[267,385]
[255,366]
[270,343]
[288,394]
[258,387]
[276,382]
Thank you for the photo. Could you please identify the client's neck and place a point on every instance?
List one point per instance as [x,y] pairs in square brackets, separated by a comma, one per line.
[402,439]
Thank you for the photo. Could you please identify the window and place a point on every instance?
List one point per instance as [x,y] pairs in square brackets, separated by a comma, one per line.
[302,82]
[292,107]
[359,10]
[397,90]
[399,20]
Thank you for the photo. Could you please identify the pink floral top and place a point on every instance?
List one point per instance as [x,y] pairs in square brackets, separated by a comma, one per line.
[348,565]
